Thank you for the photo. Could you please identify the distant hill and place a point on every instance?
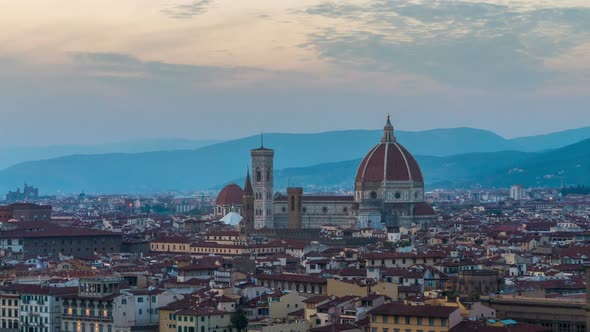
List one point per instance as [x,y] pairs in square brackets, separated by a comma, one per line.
[552,141]
[13,155]
[493,169]
[451,161]
[214,164]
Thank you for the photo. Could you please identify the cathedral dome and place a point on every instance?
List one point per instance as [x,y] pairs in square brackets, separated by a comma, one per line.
[388,161]
[231,194]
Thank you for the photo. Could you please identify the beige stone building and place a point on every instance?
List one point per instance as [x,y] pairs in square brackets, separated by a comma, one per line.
[344,288]
[402,317]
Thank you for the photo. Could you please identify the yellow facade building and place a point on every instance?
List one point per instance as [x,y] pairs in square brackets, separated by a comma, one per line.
[399,317]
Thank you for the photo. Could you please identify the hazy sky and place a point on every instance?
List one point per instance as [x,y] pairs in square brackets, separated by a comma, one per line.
[101,71]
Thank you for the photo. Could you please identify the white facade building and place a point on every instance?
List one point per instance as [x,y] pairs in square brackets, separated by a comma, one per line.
[517,192]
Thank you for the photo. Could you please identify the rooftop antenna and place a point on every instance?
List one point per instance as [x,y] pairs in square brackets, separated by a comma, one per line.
[261,139]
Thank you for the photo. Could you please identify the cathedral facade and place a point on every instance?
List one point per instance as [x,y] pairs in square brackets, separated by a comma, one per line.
[389,193]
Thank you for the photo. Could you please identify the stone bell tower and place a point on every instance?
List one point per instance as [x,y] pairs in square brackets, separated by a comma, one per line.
[262,185]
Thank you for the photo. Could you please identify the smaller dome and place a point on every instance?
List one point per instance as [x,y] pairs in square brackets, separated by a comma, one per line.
[231,194]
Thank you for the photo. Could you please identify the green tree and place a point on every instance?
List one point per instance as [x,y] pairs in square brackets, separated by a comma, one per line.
[239,321]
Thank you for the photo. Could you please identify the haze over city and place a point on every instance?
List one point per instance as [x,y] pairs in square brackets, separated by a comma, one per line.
[301,166]
[108,71]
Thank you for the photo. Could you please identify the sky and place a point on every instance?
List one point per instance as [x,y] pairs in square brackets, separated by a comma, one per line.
[105,71]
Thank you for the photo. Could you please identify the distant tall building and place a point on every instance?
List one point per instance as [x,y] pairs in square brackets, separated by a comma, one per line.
[262,168]
[517,192]
[28,193]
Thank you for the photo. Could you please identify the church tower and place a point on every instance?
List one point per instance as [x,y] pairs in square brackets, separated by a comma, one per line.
[262,184]
[247,225]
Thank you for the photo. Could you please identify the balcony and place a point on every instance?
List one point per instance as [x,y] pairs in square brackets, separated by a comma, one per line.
[88,318]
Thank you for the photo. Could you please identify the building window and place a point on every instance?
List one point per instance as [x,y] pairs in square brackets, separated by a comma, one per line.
[258,175]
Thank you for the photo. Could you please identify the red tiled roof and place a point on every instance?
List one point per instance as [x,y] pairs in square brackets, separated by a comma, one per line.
[47,229]
[388,161]
[231,194]
[293,277]
[396,255]
[400,309]
[424,209]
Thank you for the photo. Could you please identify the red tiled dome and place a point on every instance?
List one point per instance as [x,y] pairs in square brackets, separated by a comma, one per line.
[388,161]
[231,194]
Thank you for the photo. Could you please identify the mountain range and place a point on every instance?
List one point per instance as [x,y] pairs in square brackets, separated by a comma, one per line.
[15,155]
[565,166]
[448,157]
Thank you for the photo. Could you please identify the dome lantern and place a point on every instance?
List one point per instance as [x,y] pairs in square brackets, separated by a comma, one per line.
[388,136]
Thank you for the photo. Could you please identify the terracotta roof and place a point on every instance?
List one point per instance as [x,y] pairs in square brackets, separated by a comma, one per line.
[396,255]
[232,194]
[481,326]
[424,209]
[335,327]
[199,266]
[293,277]
[388,161]
[400,309]
[45,290]
[200,312]
[47,229]
[316,299]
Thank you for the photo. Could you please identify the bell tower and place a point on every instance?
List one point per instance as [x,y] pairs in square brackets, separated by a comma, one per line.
[262,185]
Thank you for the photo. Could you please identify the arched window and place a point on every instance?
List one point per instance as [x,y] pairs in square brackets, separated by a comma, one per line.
[258,175]
[292,203]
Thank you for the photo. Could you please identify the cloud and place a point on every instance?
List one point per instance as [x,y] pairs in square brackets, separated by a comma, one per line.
[458,43]
[124,66]
[187,10]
